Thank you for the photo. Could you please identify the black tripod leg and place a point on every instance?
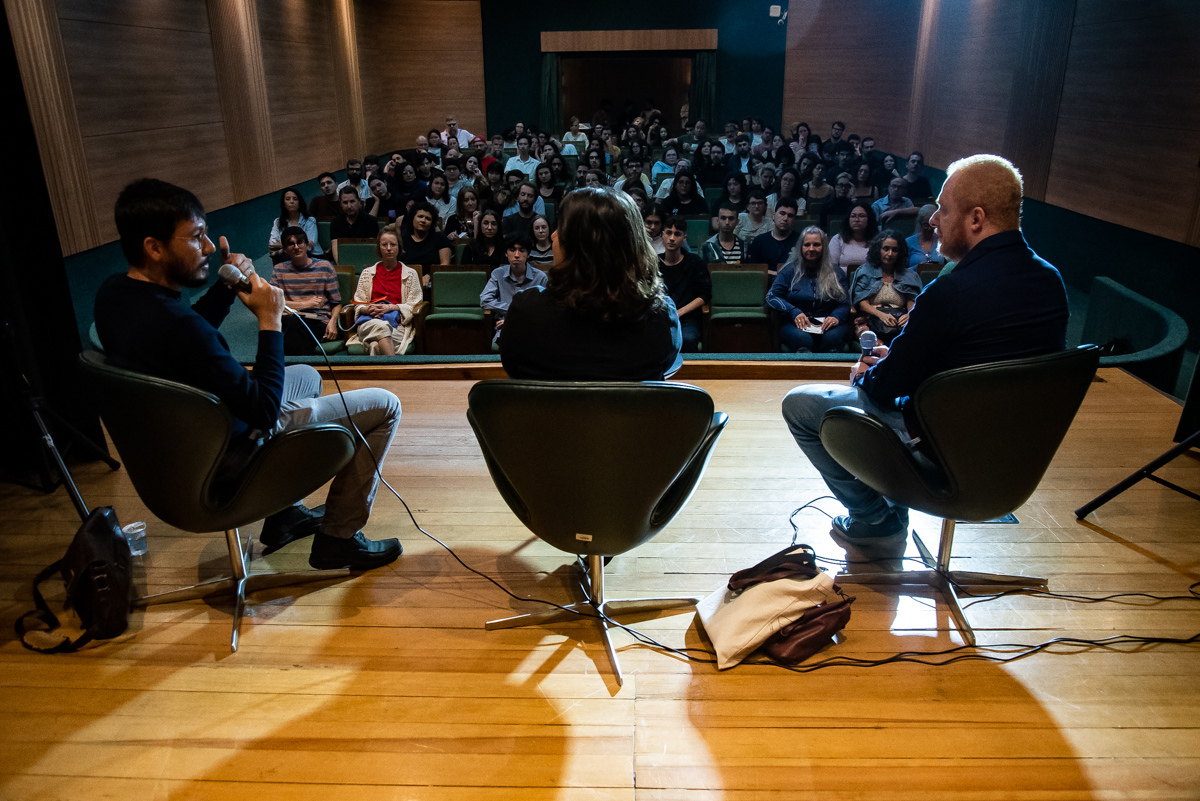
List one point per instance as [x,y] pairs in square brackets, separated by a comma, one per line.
[1108,495]
[81,438]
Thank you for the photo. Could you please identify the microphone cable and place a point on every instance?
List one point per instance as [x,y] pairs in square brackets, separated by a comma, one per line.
[1004,652]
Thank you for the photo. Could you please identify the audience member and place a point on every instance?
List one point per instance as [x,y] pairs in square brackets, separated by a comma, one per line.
[818,189]
[864,190]
[713,171]
[652,219]
[574,136]
[605,315]
[421,242]
[385,298]
[455,180]
[292,212]
[685,198]
[775,247]
[408,185]
[835,138]
[353,222]
[438,196]
[916,186]
[487,247]
[755,220]
[690,142]
[687,280]
[895,204]
[310,290]
[799,143]
[632,167]
[923,245]
[885,288]
[521,221]
[725,245]
[325,206]
[510,279]
[813,297]
[741,161]
[735,192]
[848,248]
[886,172]
[455,134]
[548,191]
[355,177]
[839,205]
[462,224]
[383,204]
[542,253]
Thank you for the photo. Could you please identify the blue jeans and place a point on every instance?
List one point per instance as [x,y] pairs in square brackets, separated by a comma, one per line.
[803,409]
[691,335]
[375,411]
[831,341]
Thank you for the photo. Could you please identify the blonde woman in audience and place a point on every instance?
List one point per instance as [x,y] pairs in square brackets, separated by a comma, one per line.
[384,300]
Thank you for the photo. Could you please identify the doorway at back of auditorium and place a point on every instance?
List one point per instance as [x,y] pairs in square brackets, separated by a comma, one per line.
[624,84]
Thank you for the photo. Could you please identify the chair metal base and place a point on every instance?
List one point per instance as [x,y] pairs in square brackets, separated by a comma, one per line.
[240,584]
[595,600]
[944,580]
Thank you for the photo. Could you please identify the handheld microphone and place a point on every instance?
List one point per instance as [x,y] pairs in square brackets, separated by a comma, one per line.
[234,278]
[867,342]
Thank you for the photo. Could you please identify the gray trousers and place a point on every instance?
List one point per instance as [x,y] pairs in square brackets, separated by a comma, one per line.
[376,413]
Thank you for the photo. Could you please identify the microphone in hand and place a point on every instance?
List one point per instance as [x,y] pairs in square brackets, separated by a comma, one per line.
[867,342]
[235,278]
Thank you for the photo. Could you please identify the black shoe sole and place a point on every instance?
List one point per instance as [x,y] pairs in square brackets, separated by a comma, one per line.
[305,528]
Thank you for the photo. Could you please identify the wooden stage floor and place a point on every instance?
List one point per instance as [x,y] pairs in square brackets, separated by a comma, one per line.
[387,687]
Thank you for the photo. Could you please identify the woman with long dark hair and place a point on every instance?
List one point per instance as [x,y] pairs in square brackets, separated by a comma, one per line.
[848,248]
[293,211]
[812,295]
[605,315]
[685,197]
[885,288]
[543,179]
[462,223]
[488,246]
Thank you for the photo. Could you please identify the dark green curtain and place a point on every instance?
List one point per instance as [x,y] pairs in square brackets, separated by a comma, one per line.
[551,95]
[704,88]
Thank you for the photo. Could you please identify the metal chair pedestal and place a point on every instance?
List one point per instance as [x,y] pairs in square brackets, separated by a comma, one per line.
[940,577]
[593,591]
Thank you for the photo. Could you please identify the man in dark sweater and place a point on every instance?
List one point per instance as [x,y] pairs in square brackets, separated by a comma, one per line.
[957,322]
[145,326]
[687,280]
[353,222]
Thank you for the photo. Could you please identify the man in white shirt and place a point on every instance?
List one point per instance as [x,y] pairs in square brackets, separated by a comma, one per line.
[523,161]
[355,178]
[455,134]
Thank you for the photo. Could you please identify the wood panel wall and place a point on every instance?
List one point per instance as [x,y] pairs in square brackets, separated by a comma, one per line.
[1097,101]
[419,61]
[852,61]
[1127,148]
[233,99]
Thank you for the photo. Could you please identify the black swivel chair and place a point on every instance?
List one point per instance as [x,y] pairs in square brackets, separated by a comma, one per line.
[594,469]
[172,438]
[991,430]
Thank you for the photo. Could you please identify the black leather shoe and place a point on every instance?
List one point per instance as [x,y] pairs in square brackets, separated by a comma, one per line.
[293,523]
[356,553]
[887,538]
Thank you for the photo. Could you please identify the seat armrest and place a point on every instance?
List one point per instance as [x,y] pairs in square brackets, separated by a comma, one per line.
[290,466]
[677,495]
[871,451]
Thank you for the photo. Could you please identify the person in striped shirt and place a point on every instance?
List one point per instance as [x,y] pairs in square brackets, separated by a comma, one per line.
[310,289]
[725,246]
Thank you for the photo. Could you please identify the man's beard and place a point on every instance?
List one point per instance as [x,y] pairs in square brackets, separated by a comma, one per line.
[190,278]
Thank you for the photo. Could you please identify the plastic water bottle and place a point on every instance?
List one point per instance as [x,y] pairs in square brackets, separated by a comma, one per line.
[135,535]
